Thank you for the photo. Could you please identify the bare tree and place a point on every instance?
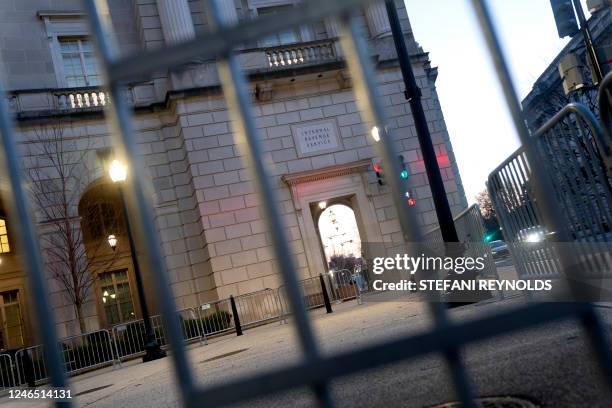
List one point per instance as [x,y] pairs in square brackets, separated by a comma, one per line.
[58,176]
[486,205]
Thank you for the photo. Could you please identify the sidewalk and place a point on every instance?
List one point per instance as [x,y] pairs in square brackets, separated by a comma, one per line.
[549,364]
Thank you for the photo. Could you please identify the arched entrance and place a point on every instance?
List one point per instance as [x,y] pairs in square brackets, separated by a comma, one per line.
[108,254]
[340,239]
[339,235]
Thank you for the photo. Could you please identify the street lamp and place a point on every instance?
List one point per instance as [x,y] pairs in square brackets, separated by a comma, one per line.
[118,174]
[112,242]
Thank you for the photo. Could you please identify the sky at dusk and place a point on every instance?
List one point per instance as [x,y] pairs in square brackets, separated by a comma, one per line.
[480,127]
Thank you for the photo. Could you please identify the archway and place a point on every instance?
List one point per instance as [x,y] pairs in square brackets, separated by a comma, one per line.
[340,239]
[109,262]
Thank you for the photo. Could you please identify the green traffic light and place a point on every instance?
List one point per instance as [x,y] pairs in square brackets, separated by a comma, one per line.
[404,174]
[488,237]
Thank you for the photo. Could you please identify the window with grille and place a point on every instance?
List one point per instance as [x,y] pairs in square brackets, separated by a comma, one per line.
[79,63]
[282,37]
[101,220]
[116,297]
[11,326]
[4,241]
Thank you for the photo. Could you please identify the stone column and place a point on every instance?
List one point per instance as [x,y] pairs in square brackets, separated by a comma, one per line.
[332,27]
[176,22]
[378,20]
[228,11]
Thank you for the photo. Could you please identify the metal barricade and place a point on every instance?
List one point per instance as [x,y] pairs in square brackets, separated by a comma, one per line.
[311,295]
[568,145]
[216,317]
[314,370]
[7,373]
[79,353]
[470,230]
[258,307]
[129,337]
[605,111]
[343,285]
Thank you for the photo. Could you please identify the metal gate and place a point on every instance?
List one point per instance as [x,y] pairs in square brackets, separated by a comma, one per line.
[314,370]
[571,146]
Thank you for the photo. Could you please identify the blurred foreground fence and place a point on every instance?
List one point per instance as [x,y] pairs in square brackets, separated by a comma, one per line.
[315,370]
[471,231]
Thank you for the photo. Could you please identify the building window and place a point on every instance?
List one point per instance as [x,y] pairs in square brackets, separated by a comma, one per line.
[116,297]
[4,241]
[101,220]
[79,63]
[279,38]
[11,328]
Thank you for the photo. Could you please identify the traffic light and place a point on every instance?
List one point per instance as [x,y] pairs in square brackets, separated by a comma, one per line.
[404,173]
[410,199]
[379,176]
[564,17]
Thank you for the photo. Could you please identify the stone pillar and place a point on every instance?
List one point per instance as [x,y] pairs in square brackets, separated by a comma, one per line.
[378,20]
[332,27]
[176,22]
[228,11]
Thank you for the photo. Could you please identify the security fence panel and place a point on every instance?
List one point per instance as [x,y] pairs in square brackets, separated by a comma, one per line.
[216,317]
[80,353]
[343,285]
[130,337]
[314,370]
[569,146]
[471,232]
[7,373]
[258,307]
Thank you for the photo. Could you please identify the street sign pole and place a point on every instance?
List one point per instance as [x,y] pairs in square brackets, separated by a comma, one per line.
[413,95]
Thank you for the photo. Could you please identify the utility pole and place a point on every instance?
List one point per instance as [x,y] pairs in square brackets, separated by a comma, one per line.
[588,42]
[413,95]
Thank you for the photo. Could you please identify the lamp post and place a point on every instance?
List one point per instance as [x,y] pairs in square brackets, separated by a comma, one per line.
[413,94]
[118,174]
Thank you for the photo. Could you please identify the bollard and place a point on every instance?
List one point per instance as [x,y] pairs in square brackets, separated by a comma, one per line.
[236,317]
[328,306]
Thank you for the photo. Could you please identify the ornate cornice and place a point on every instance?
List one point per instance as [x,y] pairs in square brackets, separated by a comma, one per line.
[327,172]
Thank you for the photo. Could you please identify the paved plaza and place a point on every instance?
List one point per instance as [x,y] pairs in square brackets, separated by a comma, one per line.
[551,365]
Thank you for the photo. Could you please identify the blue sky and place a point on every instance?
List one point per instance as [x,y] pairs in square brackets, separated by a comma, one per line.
[481,131]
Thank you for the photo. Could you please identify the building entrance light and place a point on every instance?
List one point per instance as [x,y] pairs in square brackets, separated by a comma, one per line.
[117,171]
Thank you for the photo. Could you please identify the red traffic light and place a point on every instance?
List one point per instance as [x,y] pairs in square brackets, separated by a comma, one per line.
[377,167]
[412,201]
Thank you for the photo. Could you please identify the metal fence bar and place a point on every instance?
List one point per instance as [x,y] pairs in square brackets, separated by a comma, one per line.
[315,370]
[543,190]
[139,208]
[238,101]
[223,40]
[371,357]
[79,353]
[361,70]
[27,240]
[7,373]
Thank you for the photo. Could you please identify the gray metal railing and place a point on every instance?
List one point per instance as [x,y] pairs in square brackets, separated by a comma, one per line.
[313,370]
[129,337]
[471,231]
[604,98]
[570,146]
[7,373]
[79,353]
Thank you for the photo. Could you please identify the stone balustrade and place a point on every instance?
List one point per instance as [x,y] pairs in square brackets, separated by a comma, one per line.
[302,53]
[81,99]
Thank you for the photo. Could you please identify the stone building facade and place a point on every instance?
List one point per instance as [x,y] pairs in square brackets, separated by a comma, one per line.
[548,95]
[207,212]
